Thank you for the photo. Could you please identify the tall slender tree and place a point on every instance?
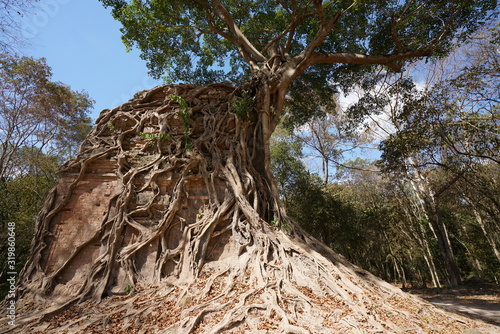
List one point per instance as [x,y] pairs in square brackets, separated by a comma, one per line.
[38,114]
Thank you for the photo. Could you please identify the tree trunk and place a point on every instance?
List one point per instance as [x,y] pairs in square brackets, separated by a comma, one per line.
[179,225]
[426,196]
[486,231]
[415,212]
[444,243]
[429,260]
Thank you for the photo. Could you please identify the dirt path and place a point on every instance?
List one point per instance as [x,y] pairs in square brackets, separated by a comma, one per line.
[479,301]
[485,310]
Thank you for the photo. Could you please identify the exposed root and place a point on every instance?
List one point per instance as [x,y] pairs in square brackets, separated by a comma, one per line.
[171,237]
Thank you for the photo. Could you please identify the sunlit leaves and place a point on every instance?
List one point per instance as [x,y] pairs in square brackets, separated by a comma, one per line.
[455,121]
[207,41]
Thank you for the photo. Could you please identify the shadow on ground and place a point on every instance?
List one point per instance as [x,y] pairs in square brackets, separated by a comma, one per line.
[476,299]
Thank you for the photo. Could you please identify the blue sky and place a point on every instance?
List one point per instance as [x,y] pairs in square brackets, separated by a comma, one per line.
[82,44]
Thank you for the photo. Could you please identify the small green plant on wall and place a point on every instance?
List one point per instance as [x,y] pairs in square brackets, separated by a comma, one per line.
[184,116]
[243,105]
[155,135]
[150,137]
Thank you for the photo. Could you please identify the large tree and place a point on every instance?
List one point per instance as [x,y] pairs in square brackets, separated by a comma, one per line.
[312,46]
[37,114]
[195,208]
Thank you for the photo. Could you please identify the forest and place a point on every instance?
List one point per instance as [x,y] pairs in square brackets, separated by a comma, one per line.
[396,166]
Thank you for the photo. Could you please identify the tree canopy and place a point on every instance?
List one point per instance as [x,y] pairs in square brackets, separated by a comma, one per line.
[203,41]
[42,123]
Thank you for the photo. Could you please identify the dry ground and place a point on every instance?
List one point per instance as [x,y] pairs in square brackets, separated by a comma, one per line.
[477,300]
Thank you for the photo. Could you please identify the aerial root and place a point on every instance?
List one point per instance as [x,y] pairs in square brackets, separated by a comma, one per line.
[201,224]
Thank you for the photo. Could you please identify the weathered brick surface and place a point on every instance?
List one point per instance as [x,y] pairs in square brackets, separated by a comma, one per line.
[90,202]
[80,218]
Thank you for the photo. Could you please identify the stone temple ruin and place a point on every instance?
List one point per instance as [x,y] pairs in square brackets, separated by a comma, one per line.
[163,223]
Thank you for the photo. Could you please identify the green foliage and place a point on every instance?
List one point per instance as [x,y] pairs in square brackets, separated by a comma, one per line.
[183,111]
[447,143]
[204,42]
[454,120]
[38,112]
[374,221]
[42,125]
[151,136]
[21,201]
[184,116]
[195,36]
[310,95]
[349,219]
[289,171]
[243,105]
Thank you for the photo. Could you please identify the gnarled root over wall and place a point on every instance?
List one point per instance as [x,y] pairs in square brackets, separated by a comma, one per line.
[166,223]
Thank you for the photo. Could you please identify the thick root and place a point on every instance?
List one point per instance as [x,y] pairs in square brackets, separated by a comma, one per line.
[168,224]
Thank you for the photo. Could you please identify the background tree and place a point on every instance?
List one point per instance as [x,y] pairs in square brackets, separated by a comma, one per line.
[22,199]
[322,137]
[286,161]
[42,123]
[450,122]
[38,114]
[450,125]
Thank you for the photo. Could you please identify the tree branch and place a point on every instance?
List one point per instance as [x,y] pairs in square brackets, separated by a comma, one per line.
[243,41]
[302,61]
[392,61]
[321,35]
[233,39]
